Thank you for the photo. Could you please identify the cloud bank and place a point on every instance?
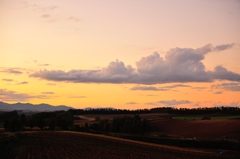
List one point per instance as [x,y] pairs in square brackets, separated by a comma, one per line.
[8,95]
[178,65]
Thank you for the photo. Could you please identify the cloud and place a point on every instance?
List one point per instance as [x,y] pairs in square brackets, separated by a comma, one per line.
[116,72]
[152,88]
[8,80]
[223,47]
[37,7]
[20,83]
[145,88]
[15,71]
[75,19]
[222,73]
[8,95]
[73,96]
[45,15]
[199,87]
[178,65]
[218,92]
[47,93]
[51,84]
[174,102]
[227,86]
[44,64]
[131,103]
[169,102]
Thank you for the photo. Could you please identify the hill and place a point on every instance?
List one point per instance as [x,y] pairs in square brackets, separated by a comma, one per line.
[32,107]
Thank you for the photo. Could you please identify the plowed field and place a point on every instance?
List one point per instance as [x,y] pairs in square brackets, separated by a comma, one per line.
[63,145]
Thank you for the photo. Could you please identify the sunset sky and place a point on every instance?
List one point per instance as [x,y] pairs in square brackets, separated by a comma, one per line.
[120,53]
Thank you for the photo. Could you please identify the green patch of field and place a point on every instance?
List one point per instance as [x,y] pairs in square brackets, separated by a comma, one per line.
[212,118]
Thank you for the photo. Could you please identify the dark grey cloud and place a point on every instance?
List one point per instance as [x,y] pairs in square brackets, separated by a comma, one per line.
[8,95]
[16,71]
[218,92]
[227,86]
[178,65]
[7,80]
[21,83]
[131,103]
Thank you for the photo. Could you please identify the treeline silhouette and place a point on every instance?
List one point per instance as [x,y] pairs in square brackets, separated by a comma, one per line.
[59,119]
[125,124]
[169,110]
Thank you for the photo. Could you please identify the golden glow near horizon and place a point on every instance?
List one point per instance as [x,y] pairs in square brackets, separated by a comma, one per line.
[121,54]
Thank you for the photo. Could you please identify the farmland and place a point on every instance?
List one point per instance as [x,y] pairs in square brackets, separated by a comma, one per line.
[53,144]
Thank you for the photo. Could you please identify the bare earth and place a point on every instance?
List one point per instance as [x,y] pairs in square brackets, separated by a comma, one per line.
[74,145]
[207,129]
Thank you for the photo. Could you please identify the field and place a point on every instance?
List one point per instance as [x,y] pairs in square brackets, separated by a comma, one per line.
[219,127]
[205,129]
[200,118]
[73,145]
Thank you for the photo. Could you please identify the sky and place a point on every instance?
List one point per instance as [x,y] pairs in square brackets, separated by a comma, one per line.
[122,54]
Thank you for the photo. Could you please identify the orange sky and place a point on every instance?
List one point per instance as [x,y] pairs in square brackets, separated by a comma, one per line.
[121,54]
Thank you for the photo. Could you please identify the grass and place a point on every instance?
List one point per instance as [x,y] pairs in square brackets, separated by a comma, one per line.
[212,118]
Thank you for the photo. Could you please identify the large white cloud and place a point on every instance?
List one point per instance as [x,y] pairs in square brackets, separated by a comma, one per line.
[178,65]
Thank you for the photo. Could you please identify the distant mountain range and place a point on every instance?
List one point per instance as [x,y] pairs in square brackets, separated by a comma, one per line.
[39,107]
[32,107]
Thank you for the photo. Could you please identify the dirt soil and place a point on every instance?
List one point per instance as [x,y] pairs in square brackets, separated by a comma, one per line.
[209,129]
[73,145]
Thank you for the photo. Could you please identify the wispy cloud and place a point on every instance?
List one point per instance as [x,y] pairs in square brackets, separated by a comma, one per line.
[76,96]
[16,71]
[224,47]
[132,103]
[44,64]
[218,92]
[21,83]
[164,88]
[8,80]
[74,19]
[51,84]
[8,95]
[47,92]
[45,15]
[233,86]
[169,102]
[37,7]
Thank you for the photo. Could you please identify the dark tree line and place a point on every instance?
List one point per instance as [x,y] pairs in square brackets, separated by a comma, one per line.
[60,119]
[126,124]
[169,110]
[213,110]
